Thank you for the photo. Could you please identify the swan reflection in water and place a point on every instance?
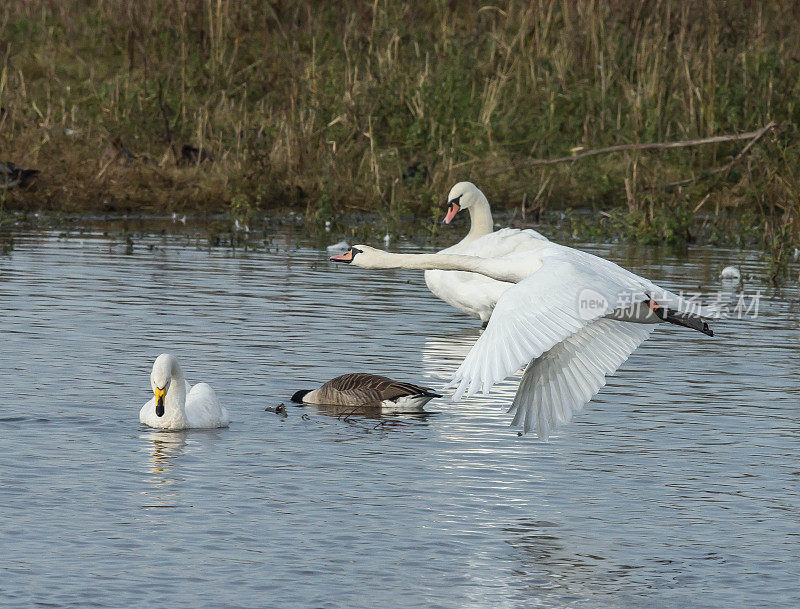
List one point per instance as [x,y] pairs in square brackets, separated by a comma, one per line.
[161,479]
[548,562]
[544,562]
[164,447]
[442,355]
[162,471]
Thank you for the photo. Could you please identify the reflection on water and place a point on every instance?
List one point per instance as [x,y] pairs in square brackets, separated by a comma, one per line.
[164,448]
[442,354]
[346,413]
[544,562]
[162,481]
[674,487]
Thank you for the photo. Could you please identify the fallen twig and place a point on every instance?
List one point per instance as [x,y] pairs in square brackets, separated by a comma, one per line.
[731,137]
[699,205]
[727,167]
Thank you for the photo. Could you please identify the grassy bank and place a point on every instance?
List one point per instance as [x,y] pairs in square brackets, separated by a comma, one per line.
[382,106]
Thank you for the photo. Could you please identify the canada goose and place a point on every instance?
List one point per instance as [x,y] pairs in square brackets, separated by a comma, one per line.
[369,391]
[573,318]
[178,405]
[471,293]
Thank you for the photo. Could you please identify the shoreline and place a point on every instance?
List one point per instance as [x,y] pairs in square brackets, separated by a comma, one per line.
[381,107]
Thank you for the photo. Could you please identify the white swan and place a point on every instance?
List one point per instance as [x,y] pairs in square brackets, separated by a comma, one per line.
[471,293]
[178,405]
[573,318]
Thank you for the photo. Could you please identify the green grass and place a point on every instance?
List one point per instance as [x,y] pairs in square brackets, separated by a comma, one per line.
[326,106]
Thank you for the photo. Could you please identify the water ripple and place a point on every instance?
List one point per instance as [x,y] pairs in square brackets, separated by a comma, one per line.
[677,486]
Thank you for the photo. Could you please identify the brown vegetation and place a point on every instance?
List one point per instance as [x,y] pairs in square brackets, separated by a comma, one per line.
[382,106]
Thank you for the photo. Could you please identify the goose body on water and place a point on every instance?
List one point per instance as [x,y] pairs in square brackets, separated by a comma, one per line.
[368,391]
[472,293]
[178,405]
[572,317]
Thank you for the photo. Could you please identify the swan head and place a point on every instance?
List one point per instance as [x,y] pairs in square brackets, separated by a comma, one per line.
[362,256]
[462,196]
[160,377]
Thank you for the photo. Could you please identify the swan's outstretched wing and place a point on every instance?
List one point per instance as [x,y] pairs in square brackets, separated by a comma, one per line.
[565,378]
[662,296]
[565,294]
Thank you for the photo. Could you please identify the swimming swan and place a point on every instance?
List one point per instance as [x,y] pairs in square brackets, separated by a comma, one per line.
[475,294]
[573,318]
[178,405]
[369,391]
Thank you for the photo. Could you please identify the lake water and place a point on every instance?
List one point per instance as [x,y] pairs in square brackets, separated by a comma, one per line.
[678,486]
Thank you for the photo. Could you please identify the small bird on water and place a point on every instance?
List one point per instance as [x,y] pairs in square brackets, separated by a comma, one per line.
[730,272]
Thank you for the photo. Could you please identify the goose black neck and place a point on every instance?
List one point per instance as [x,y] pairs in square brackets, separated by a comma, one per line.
[297,398]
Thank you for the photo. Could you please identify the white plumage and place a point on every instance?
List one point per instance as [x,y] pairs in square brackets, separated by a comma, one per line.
[177,404]
[567,376]
[730,272]
[474,294]
[572,317]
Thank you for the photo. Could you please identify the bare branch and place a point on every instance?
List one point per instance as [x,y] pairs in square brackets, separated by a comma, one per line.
[726,168]
[716,139]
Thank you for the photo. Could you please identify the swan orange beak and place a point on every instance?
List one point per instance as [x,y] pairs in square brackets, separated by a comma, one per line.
[346,257]
[159,393]
[452,210]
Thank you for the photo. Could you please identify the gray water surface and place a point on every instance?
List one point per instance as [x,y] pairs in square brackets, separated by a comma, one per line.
[678,486]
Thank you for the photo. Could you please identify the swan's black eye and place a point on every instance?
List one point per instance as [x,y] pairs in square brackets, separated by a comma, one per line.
[355,251]
[455,201]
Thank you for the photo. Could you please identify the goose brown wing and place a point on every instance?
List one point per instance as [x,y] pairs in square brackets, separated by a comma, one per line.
[368,389]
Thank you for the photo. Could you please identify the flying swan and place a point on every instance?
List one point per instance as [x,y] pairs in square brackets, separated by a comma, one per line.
[176,404]
[573,318]
[472,293]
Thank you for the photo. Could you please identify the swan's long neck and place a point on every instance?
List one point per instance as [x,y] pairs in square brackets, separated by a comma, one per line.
[480,216]
[500,269]
[175,400]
